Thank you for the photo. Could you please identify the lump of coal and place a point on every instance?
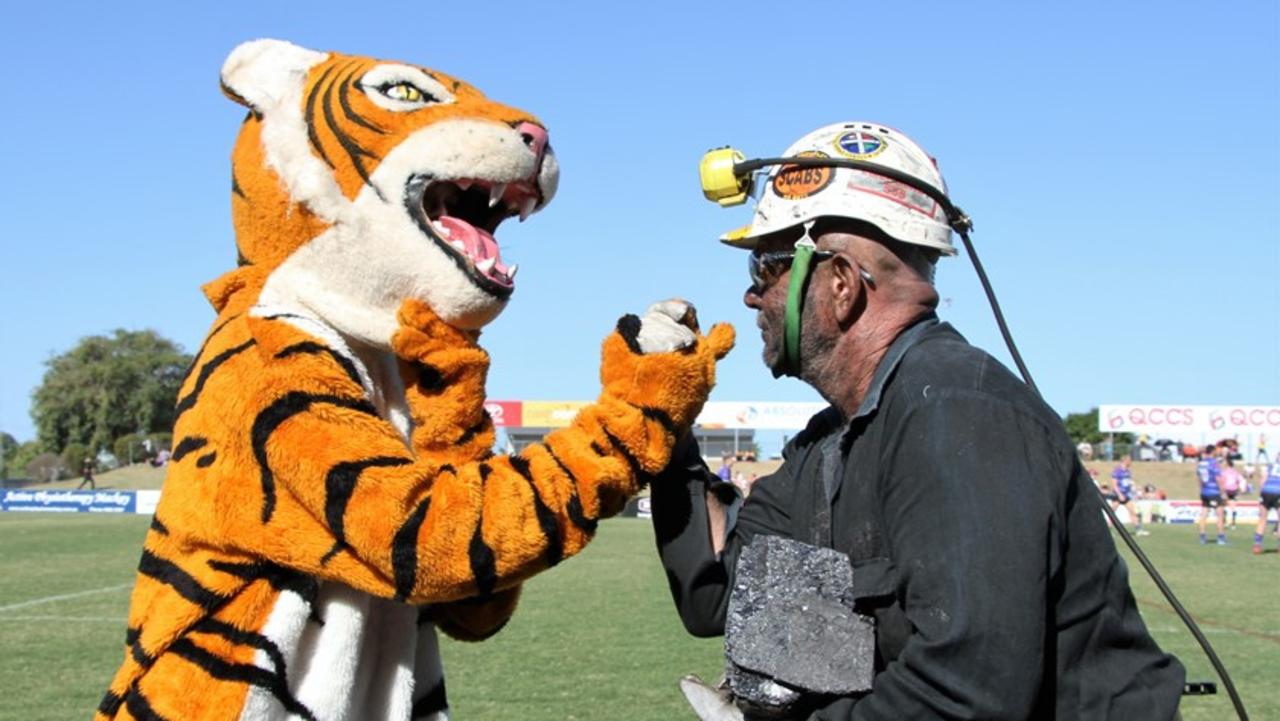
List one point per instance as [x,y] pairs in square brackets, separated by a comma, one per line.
[791,626]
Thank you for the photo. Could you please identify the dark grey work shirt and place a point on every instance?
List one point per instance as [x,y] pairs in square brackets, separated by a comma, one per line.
[977,539]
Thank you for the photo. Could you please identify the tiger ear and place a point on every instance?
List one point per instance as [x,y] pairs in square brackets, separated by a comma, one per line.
[260,74]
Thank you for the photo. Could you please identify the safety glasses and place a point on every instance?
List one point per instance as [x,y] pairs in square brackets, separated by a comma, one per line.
[766,267]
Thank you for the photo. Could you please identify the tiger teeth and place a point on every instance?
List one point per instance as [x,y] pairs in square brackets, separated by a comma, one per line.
[496,192]
[440,230]
[511,272]
[527,209]
[486,265]
[458,246]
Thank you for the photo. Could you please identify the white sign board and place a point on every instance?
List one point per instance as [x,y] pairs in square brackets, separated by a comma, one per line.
[1175,420]
[760,415]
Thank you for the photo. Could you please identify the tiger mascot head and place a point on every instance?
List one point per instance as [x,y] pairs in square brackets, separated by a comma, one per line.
[358,184]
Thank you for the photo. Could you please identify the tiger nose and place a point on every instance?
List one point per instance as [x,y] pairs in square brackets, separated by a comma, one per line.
[535,137]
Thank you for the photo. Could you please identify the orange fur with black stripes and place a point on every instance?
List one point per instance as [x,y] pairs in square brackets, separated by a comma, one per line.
[332,496]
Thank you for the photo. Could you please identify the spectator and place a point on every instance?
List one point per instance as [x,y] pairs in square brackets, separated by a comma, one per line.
[1085,450]
[1190,452]
[160,459]
[86,470]
[726,468]
[1153,504]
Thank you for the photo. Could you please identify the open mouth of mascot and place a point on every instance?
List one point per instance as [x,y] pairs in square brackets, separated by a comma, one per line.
[378,155]
[461,217]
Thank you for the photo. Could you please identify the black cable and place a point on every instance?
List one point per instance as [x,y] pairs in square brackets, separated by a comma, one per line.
[995,309]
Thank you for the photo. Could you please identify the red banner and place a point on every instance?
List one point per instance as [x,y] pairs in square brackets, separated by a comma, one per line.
[504,413]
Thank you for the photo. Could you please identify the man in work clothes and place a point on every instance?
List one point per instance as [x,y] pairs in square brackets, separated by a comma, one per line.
[976,536]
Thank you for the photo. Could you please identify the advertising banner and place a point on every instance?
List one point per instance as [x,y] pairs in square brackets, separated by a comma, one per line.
[505,413]
[759,415]
[640,507]
[70,501]
[549,414]
[147,501]
[1247,513]
[1181,420]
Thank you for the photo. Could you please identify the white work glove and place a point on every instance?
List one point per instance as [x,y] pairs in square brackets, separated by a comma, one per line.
[666,326]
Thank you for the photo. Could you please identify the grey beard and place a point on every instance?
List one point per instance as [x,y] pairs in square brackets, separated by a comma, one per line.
[815,352]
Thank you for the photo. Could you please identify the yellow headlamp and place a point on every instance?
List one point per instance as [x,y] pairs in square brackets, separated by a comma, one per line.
[720,181]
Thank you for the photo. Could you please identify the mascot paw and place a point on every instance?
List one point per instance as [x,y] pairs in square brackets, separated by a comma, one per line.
[670,325]
[661,362]
[666,326]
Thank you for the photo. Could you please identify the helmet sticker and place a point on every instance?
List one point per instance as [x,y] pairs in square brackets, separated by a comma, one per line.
[859,144]
[793,183]
[894,191]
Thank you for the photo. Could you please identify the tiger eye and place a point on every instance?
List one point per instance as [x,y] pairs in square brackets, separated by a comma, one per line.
[405,91]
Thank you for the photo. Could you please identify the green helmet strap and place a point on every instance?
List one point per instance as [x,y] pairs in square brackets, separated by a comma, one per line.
[800,267]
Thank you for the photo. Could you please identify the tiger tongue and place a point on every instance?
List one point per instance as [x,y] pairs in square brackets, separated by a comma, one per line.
[477,243]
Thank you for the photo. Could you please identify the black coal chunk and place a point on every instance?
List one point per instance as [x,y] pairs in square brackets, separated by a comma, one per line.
[791,626]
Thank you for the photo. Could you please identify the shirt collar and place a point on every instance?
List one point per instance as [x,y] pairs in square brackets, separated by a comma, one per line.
[892,357]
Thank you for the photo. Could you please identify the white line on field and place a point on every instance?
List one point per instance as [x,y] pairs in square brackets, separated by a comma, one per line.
[63,597]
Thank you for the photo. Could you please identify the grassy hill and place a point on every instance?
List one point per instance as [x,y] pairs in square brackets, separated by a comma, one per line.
[139,476]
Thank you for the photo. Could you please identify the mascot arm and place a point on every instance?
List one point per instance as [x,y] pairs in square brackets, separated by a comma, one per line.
[455,522]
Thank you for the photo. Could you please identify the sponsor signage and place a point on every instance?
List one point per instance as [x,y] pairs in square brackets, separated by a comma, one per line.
[1247,512]
[72,501]
[759,415]
[147,501]
[505,413]
[763,416]
[638,508]
[1171,420]
[550,414]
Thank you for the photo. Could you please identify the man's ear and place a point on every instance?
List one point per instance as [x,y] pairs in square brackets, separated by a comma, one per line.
[848,292]
[260,73]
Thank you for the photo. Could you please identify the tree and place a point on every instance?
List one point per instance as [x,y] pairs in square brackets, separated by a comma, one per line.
[46,468]
[1084,427]
[106,387]
[129,448]
[73,457]
[21,458]
[8,449]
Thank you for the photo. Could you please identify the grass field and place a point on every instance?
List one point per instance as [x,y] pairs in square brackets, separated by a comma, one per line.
[594,639]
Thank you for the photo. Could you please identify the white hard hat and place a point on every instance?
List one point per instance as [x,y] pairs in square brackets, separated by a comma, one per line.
[793,196]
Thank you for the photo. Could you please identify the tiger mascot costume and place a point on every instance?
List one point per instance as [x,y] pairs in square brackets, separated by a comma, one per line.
[332,496]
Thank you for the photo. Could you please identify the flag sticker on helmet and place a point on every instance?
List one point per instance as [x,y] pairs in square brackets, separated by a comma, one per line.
[794,183]
[859,144]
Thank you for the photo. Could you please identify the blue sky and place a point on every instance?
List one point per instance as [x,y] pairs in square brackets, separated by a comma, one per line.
[1121,162]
